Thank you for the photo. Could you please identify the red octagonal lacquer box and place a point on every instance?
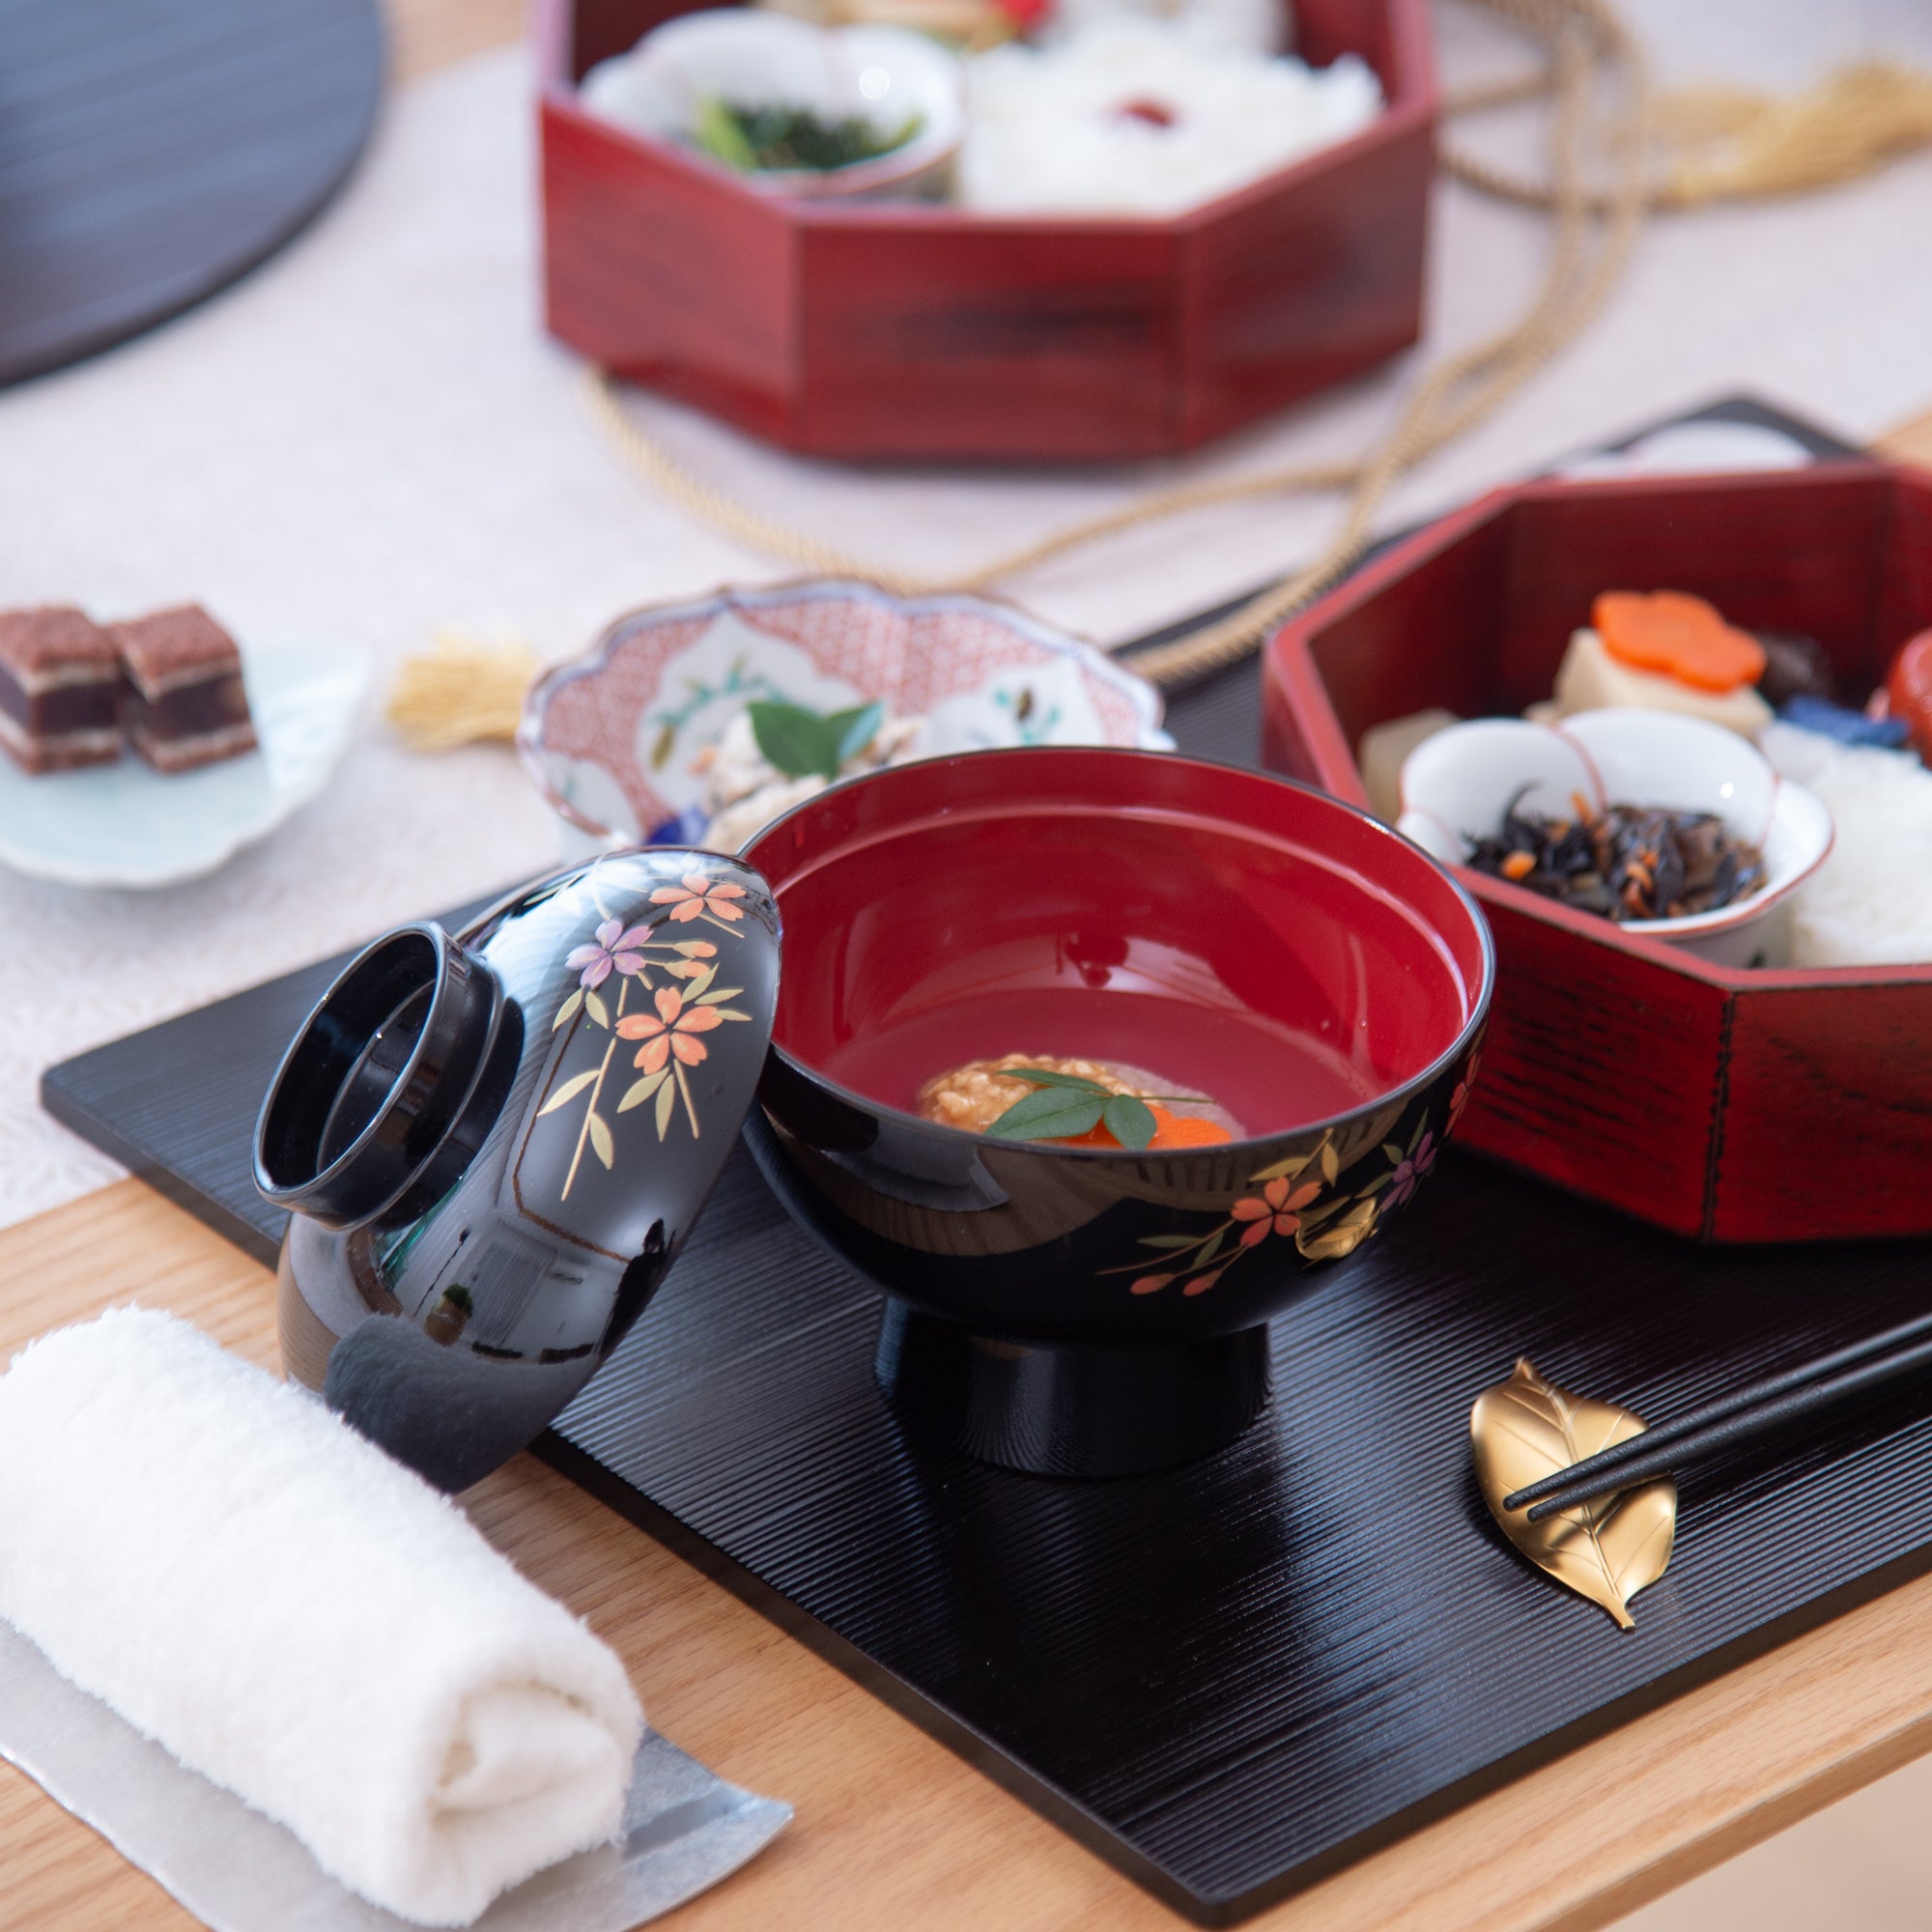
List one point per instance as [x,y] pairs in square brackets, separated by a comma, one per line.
[1732,1104]
[903,329]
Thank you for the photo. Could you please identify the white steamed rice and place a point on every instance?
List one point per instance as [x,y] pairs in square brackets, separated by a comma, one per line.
[1871,903]
[1047,133]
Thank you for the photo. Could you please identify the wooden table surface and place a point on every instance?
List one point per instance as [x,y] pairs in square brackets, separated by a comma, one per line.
[892,1830]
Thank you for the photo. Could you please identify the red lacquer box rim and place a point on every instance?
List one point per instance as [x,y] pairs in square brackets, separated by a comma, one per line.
[1290,650]
[1412,100]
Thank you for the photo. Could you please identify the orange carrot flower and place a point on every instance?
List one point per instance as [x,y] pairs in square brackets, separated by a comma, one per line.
[700,894]
[1276,1213]
[670,1031]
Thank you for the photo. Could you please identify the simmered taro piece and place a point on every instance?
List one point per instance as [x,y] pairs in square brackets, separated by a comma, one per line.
[1630,862]
[59,683]
[185,704]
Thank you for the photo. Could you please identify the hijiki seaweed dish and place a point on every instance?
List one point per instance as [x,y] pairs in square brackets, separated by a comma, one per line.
[1627,862]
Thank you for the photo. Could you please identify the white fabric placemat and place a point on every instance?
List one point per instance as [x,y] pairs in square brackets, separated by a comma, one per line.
[371,438]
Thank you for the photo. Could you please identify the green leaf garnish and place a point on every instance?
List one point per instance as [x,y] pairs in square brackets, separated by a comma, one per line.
[1041,1077]
[1126,1116]
[801,744]
[1045,1114]
[1129,1121]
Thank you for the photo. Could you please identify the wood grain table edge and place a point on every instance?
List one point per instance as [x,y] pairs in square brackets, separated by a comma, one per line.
[893,1831]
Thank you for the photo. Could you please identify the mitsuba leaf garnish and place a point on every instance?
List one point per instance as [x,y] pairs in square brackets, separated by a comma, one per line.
[1128,1121]
[1606,1549]
[802,744]
[1051,1114]
[1064,1107]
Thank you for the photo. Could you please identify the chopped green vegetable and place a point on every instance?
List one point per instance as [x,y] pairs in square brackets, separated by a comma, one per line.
[722,134]
[801,744]
[778,138]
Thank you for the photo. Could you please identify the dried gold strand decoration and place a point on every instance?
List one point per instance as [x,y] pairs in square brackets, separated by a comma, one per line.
[462,691]
[1843,128]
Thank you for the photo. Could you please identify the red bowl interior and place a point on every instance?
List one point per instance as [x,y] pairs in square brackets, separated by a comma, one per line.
[1235,935]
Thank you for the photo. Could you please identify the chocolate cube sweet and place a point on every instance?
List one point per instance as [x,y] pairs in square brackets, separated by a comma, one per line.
[60,681]
[183,699]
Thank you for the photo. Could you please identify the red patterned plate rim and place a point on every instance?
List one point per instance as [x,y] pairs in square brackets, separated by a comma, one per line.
[1136,704]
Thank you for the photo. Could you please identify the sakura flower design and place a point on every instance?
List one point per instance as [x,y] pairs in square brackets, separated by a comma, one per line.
[614,950]
[1410,1169]
[1291,1191]
[671,1029]
[690,966]
[1277,1210]
[699,898]
[1305,1197]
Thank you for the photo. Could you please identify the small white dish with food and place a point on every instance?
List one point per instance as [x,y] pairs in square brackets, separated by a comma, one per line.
[127,825]
[1459,784]
[678,81]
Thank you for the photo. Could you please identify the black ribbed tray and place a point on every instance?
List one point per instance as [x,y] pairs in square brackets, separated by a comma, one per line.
[151,150]
[1230,1679]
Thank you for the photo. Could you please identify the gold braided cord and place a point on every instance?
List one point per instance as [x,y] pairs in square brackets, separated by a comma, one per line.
[658,466]
[1727,144]
[1602,183]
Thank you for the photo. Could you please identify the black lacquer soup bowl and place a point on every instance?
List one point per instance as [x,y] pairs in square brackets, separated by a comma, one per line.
[1072,1310]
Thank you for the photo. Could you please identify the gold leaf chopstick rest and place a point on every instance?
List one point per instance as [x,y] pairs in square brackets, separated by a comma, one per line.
[1606,1549]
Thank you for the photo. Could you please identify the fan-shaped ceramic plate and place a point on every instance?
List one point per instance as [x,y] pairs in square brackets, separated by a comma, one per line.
[612,739]
[127,825]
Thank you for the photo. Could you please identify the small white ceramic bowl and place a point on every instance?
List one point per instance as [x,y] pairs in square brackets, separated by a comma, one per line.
[1460,783]
[751,58]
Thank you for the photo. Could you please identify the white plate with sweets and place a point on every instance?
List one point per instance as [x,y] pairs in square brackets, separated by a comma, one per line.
[124,821]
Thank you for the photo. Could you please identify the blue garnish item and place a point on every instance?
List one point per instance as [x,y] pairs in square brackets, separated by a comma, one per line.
[1848,728]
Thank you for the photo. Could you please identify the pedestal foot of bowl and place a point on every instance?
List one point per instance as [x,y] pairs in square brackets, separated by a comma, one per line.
[1070,1412]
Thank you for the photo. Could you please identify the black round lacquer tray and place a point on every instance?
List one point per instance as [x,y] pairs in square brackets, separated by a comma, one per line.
[151,150]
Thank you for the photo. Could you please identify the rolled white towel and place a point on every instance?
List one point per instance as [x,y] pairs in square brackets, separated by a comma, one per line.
[293,1615]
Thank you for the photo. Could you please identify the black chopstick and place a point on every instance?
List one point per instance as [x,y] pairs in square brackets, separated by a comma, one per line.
[1766,1408]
